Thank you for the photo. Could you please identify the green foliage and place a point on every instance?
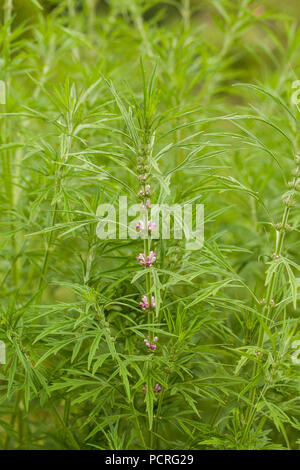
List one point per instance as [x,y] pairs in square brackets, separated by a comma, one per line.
[91,88]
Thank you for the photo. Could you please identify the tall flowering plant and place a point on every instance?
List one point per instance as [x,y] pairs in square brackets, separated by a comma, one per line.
[148,258]
[141,130]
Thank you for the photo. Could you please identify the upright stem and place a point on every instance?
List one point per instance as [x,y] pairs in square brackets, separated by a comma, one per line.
[186,14]
[148,280]
[47,252]
[138,426]
[138,19]
[66,429]
[8,7]
[145,154]
[158,413]
[65,150]
[71,7]
[90,6]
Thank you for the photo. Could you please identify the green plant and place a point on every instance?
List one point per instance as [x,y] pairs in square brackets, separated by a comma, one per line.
[192,349]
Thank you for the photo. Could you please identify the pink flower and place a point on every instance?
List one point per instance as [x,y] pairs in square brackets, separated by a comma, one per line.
[147,189]
[151,225]
[140,226]
[145,304]
[151,258]
[141,258]
[147,204]
[157,388]
[151,344]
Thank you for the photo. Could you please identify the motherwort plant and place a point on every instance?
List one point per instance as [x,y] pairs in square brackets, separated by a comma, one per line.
[149,341]
[141,120]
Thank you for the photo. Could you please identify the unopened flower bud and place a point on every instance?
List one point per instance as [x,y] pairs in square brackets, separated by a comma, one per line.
[289,201]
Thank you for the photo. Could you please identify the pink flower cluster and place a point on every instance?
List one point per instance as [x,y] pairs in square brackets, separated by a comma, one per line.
[151,344]
[147,204]
[151,225]
[147,261]
[145,303]
[143,193]
[157,388]
[146,192]
[141,226]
